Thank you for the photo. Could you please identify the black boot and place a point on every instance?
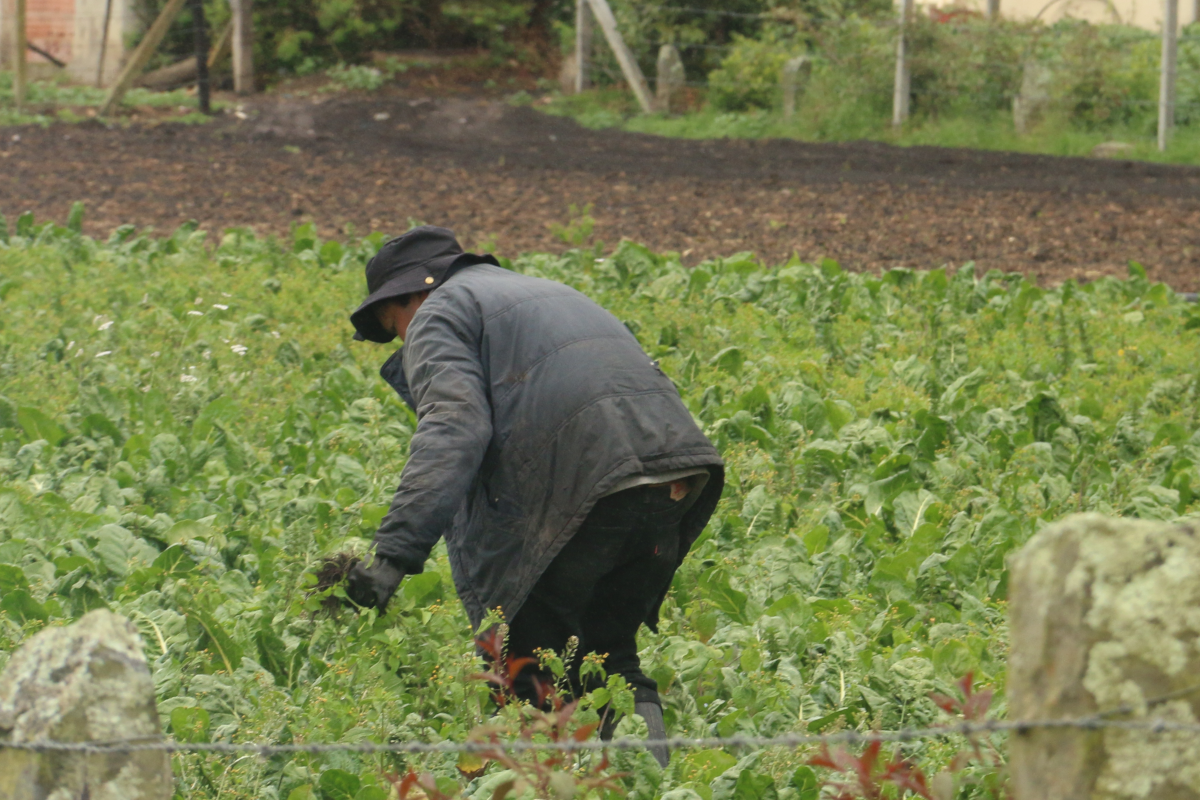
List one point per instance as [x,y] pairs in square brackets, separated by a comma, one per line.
[655,730]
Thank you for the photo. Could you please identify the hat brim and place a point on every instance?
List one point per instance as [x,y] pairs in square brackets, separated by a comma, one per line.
[366,324]
[423,277]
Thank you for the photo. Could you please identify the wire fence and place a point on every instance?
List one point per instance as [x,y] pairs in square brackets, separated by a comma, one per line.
[1154,727]
[905,65]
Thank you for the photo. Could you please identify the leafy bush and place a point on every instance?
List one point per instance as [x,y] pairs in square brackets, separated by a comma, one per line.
[187,432]
[749,76]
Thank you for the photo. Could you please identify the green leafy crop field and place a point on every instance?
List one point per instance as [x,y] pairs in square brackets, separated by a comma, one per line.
[187,431]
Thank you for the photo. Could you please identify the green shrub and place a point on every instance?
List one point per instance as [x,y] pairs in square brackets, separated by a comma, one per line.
[749,76]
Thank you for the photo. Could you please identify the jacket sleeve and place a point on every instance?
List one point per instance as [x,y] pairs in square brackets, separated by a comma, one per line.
[454,427]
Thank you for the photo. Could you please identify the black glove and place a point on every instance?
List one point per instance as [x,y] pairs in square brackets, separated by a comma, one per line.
[374,585]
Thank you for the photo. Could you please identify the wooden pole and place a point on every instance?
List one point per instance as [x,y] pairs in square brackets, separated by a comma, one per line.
[221,47]
[20,68]
[104,43]
[243,46]
[583,45]
[901,90]
[200,40]
[137,61]
[993,9]
[629,65]
[1166,86]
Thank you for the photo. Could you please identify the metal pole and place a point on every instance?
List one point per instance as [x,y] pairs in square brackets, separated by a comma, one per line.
[200,38]
[19,57]
[900,95]
[583,45]
[993,9]
[1166,87]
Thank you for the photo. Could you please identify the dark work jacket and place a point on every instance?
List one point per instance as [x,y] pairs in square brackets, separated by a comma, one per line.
[532,403]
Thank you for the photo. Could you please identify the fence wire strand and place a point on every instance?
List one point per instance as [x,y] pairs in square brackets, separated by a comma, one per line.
[265,750]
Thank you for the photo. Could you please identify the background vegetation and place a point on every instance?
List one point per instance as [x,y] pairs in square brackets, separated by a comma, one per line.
[187,431]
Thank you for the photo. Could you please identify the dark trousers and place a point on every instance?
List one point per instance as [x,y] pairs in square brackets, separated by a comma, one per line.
[601,586]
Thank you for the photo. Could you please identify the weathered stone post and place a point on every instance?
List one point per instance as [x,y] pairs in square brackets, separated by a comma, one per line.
[87,682]
[671,79]
[1033,99]
[1105,619]
[792,82]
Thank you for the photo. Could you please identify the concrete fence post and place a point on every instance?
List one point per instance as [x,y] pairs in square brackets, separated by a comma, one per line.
[87,682]
[902,87]
[583,46]
[671,79]
[1104,618]
[795,74]
[243,46]
[1166,84]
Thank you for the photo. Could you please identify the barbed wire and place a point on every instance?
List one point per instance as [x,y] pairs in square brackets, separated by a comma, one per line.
[714,12]
[967,729]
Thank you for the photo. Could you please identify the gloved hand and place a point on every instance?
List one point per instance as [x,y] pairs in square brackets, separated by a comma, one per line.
[374,585]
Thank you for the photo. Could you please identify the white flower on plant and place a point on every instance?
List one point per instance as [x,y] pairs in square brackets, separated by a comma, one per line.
[72,344]
[105,326]
[275,334]
[198,300]
[79,352]
[155,354]
[195,313]
[220,306]
[103,353]
[207,354]
[188,378]
[226,294]
[240,349]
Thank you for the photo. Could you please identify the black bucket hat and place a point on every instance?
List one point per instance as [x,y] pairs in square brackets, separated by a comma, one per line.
[420,260]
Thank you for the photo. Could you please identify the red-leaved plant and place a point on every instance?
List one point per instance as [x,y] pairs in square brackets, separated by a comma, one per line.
[550,773]
[868,776]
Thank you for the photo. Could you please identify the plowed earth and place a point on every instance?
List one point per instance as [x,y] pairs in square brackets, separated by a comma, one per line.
[500,176]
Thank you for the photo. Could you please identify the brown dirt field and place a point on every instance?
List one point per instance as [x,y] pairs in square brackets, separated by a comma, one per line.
[500,176]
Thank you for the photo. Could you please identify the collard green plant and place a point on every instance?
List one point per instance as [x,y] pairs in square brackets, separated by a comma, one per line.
[187,432]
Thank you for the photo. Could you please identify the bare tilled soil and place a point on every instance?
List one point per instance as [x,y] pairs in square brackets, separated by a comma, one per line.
[501,176]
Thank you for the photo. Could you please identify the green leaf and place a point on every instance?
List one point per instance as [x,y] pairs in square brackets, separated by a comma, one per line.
[11,579]
[190,724]
[337,784]
[99,425]
[752,785]
[371,793]
[729,360]
[37,425]
[816,539]
[225,651]
[704,766]
[218,413]
[806,784]
[714,587]
[21,606]
[304,792]
[424,588]
[120,551]
[75,218]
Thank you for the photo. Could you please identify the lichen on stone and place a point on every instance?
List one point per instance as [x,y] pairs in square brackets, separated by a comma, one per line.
[86,682]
